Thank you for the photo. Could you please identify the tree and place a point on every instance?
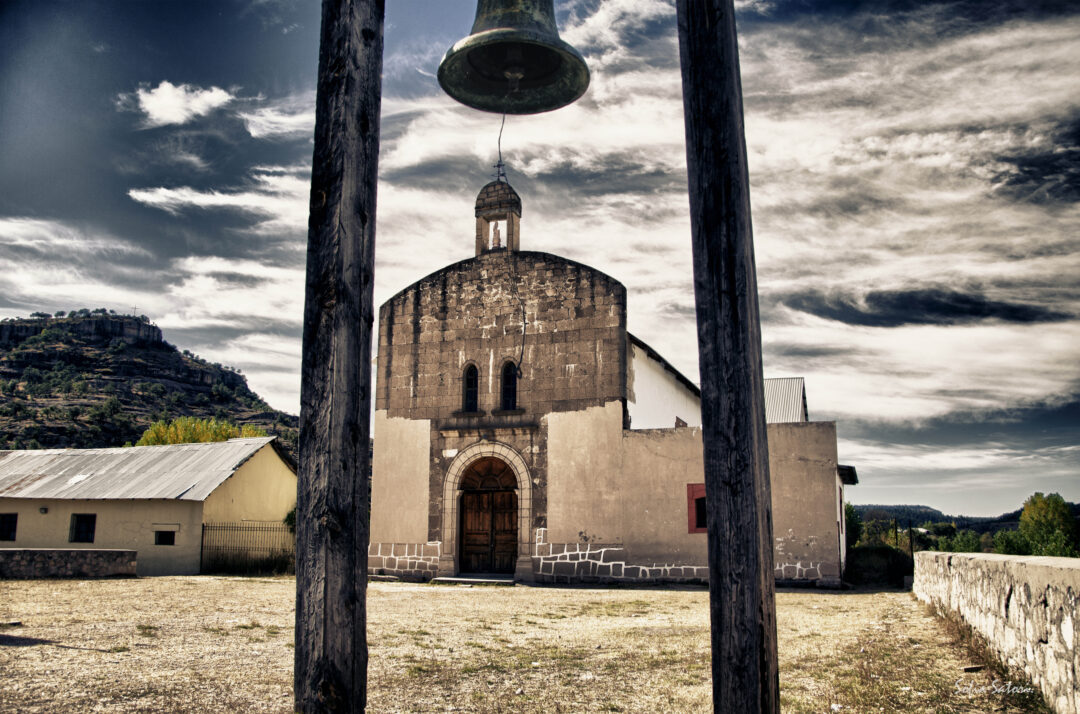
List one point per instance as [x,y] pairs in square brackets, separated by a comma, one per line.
[852,525]
[1010,542]
[1048,525]
[188,430]
[963,542]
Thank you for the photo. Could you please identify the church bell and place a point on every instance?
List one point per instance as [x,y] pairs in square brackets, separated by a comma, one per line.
[514,61]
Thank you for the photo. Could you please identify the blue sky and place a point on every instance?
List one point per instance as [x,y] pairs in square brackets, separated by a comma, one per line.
[915,183]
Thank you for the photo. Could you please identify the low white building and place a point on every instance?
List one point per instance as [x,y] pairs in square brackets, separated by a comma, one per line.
[151,499]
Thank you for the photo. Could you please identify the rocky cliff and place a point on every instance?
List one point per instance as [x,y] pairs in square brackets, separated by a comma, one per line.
[97,380]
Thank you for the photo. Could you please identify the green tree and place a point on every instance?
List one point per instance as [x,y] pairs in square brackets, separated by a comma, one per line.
[1048,525]
[852,525]
[962,542]
[1010,542]
[187,430]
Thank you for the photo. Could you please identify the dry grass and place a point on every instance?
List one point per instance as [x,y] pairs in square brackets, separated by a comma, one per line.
[220,644]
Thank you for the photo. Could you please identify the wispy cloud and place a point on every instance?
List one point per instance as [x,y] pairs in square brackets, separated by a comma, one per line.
[291,117]
[275,196]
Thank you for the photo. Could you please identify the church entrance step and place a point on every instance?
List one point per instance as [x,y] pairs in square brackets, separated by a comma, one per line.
[477,579]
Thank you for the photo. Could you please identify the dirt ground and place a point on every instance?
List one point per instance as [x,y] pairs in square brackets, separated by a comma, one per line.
[224,644]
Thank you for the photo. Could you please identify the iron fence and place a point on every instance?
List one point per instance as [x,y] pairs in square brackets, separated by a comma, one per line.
[248,547]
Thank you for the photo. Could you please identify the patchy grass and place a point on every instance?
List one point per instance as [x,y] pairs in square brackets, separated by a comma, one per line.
[438,648]
[147,630]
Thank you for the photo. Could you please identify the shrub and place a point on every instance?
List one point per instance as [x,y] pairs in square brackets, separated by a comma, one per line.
[878,565]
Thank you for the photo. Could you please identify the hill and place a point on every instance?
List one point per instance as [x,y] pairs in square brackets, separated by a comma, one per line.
[97,379]
[918,515]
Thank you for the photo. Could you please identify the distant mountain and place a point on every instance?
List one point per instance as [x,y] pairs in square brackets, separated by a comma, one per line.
[96,379]
[918,515]
[902,514]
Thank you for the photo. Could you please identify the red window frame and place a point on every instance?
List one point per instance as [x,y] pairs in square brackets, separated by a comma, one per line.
[694,491]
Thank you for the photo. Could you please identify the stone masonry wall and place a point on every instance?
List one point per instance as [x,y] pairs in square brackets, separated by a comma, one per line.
[604,563]
[1025,607]
[572,356]
[471,312]
[410,561]
[25,563]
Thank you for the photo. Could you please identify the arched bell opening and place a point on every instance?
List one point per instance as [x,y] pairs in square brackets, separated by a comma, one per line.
[489,517]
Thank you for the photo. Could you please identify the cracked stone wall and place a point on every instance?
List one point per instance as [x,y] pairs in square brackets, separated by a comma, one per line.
[1025,607]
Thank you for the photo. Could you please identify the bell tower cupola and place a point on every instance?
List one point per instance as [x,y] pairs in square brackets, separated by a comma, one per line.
[498,218]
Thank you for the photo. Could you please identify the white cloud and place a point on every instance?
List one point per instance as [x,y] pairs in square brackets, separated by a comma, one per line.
[170,103]
[277,197]
[290,118]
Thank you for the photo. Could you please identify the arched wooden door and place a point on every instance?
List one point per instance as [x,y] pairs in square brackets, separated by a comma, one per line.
[489,517]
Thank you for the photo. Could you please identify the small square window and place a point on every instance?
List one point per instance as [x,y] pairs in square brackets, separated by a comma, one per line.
[695,508]
[164,537]
[8,521]
[82,527]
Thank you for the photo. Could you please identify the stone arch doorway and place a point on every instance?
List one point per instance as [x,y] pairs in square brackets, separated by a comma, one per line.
[488,510]
[486,455]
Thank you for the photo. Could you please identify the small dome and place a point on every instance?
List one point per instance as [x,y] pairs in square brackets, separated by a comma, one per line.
[497,197]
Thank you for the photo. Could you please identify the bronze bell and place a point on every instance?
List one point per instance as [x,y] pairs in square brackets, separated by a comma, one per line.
[514,61]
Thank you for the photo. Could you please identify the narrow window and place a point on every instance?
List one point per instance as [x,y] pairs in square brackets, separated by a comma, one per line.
[82,527]
[695,508]
[472,390]
[8,521]
[164,537]
[509,386]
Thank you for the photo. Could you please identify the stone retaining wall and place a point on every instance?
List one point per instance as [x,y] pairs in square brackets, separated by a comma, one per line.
[23,563]
[1025,607]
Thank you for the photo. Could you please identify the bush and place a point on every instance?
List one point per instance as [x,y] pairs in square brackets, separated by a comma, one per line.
[962,542]
[1009,542]
[878,565]
[852,525]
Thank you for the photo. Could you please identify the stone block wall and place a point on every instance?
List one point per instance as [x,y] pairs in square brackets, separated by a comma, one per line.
[25,563]
[411,561]
[573,352]
[604,563]
[1025,607]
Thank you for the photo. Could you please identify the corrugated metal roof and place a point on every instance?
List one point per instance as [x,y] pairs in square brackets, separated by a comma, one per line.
[785,400]
[189,472]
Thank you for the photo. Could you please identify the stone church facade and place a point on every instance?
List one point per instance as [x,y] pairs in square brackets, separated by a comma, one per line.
[521,430]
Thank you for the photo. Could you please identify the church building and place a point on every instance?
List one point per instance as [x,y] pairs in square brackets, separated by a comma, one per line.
[521,430]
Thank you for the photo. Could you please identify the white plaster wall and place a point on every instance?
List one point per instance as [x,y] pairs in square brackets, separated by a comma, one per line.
[120,524]
[655,397]
[399,480]
[610,486]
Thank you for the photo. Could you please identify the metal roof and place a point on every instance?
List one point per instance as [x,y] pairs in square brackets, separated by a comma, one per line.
[785,400]
[188,472]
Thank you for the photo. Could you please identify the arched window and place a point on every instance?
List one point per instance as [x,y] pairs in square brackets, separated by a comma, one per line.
[509,386]
[470,400]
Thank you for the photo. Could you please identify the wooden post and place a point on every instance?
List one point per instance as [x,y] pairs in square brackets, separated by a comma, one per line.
[332,517]
[739,511]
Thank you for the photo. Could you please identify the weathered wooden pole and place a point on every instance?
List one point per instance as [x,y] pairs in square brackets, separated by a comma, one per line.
[739,512]
[332,493]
